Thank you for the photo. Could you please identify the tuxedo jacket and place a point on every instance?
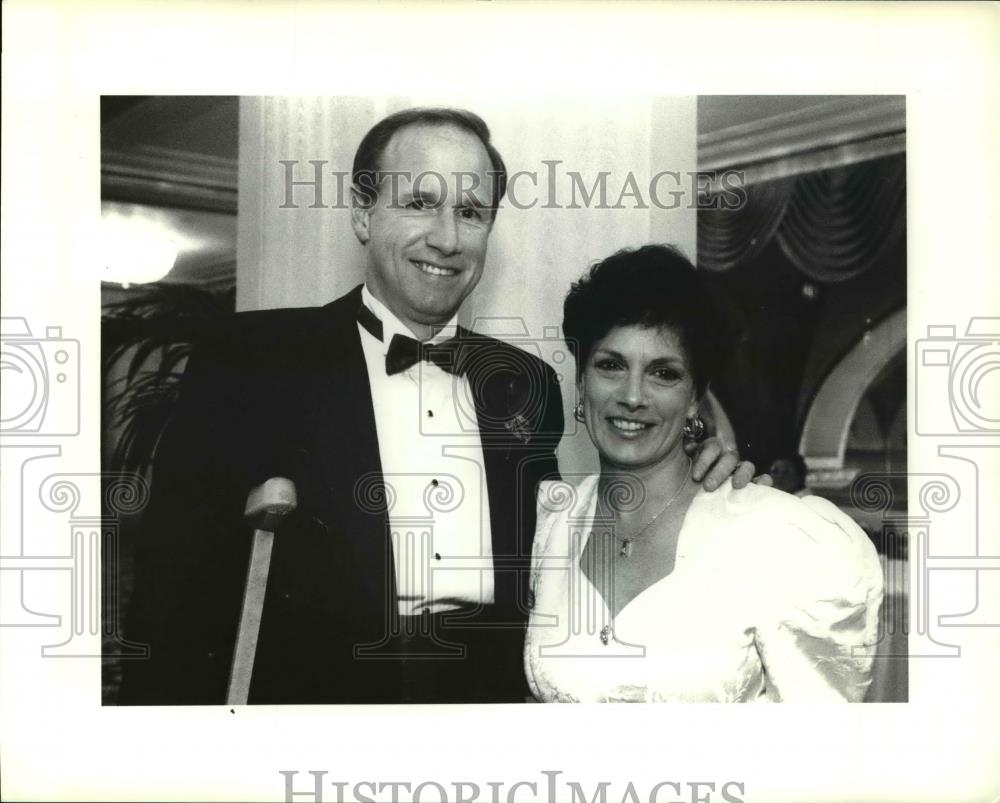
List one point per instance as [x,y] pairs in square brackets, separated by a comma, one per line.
[286,393]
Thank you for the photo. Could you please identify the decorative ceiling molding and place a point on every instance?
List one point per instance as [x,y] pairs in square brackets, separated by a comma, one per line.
[831,134]
[170,177]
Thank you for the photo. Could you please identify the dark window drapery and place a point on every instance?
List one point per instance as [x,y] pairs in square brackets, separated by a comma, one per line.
[831,224]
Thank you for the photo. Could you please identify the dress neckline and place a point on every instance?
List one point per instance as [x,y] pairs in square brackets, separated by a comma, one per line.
[678,555]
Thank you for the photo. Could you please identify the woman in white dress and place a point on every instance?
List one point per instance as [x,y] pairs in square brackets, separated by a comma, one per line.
[644,586]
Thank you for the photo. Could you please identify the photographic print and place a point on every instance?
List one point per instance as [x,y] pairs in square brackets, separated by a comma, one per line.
[375,377]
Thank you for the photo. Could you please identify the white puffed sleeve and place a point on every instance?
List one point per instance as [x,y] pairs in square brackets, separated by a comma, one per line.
[818,620]
[546,518]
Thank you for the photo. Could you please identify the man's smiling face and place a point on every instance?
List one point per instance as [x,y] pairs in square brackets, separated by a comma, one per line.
[427,232]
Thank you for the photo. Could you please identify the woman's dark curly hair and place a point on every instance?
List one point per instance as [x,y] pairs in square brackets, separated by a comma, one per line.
[652,286]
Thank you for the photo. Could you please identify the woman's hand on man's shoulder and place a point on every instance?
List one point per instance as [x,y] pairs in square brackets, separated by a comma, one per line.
[715,462]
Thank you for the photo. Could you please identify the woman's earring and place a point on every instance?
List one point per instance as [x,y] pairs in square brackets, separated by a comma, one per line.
[578,412]
[694,428]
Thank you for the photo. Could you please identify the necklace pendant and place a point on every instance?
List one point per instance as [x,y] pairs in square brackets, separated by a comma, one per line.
[605,634]
[626,548]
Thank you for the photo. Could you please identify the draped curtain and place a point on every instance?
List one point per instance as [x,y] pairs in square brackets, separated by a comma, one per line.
[727,238]
[831,224]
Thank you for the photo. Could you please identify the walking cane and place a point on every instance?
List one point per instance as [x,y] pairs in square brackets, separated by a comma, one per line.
[267,505]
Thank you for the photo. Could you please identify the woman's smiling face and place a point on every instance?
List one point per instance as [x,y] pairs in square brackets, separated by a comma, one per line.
[637,391]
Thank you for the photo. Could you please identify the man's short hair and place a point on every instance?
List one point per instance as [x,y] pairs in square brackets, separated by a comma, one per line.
[366,172]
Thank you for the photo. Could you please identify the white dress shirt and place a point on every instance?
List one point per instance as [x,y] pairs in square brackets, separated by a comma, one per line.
[432,462]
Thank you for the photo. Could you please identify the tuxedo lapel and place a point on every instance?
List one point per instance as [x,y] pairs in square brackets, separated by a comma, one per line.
[338,430]
[497,392]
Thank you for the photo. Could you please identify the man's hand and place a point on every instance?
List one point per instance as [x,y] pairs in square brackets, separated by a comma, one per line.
[714,464]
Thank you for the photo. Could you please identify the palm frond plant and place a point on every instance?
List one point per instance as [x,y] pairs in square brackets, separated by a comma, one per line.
[145,343]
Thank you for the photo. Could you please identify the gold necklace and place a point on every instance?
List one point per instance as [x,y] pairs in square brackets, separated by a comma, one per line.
[625,550]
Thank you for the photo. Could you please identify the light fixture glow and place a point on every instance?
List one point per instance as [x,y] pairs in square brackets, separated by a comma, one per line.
[136,249]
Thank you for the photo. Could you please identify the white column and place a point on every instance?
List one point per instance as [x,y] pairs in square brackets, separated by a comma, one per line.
[307,255]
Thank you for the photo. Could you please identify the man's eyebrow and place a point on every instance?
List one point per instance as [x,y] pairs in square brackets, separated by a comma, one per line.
[471,199]
[421,193]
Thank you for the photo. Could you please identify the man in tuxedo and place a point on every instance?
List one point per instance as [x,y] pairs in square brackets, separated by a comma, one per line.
[416,447]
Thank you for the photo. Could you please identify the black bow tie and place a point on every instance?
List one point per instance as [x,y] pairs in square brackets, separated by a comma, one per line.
[405,352]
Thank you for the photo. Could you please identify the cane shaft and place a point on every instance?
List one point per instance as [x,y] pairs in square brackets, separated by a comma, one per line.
[253,607]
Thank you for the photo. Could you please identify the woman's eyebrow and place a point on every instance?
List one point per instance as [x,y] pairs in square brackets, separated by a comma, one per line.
[671,360]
